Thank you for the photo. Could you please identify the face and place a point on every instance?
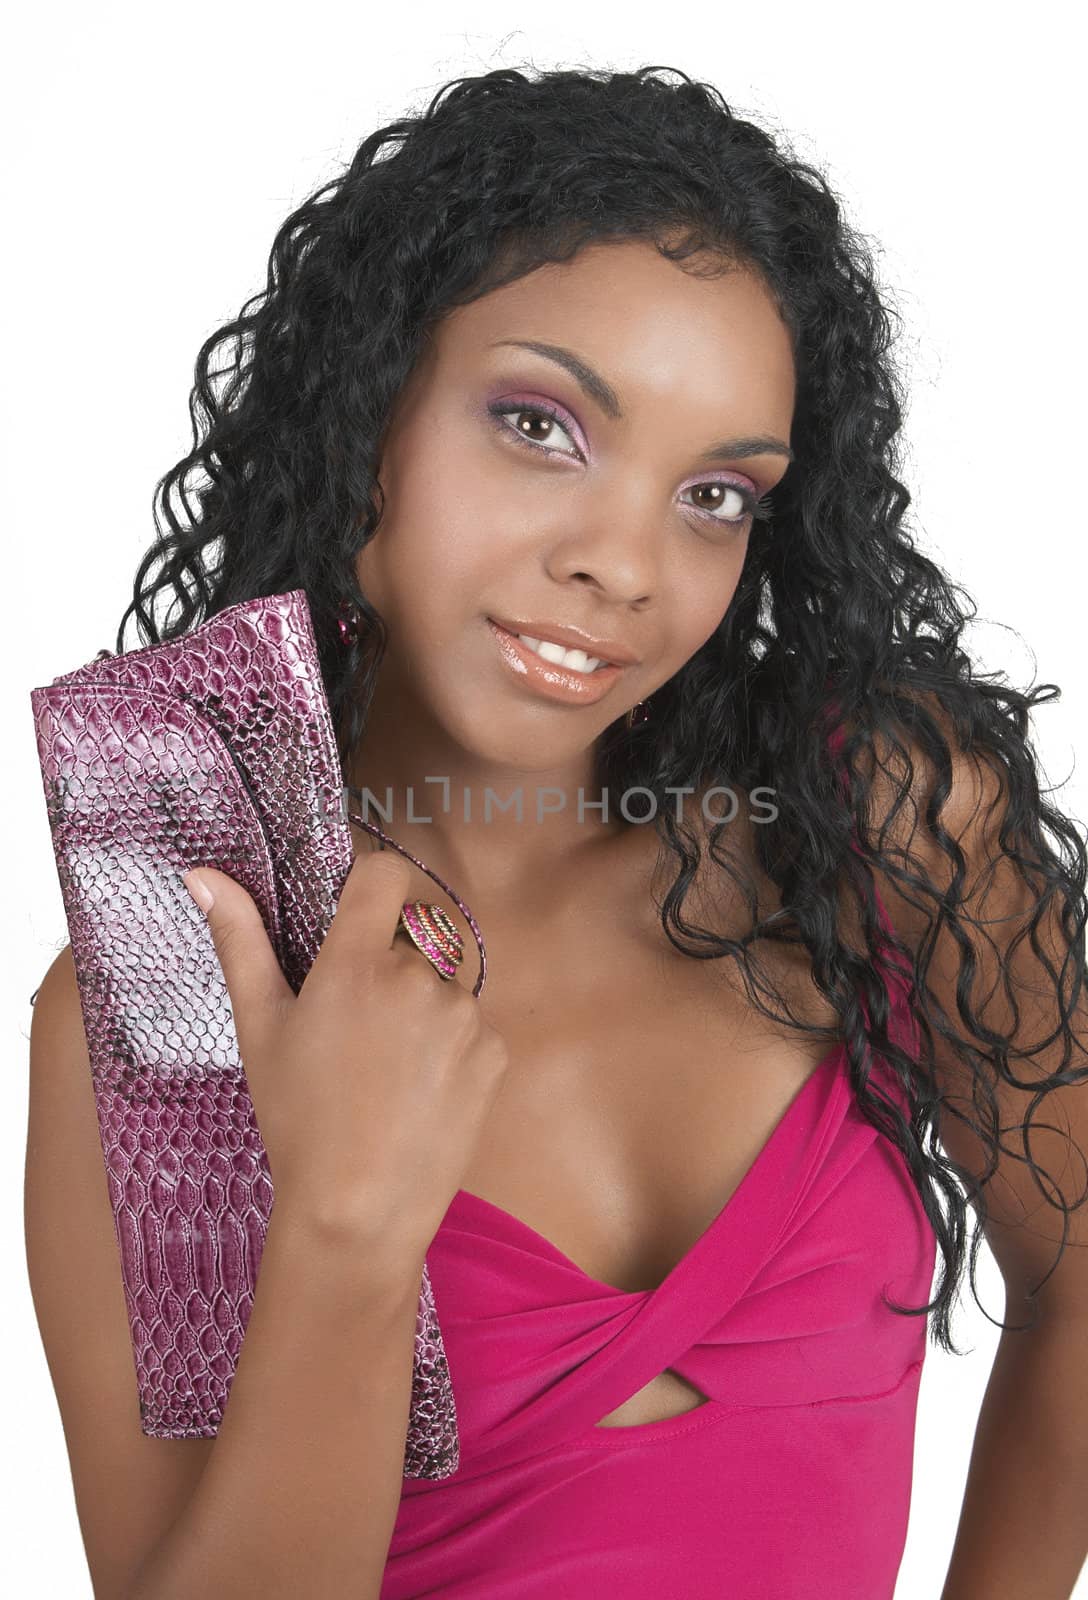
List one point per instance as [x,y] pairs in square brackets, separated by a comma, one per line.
[516,493]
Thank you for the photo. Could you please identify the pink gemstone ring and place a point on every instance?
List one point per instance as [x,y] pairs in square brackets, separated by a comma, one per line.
[432,932]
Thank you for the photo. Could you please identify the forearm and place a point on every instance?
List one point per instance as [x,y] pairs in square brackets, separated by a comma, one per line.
[1023,1531]
[301,1490]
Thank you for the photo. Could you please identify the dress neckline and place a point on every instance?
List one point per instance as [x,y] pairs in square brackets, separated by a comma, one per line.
[465,1201]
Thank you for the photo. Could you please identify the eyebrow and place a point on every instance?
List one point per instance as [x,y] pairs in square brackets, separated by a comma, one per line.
[600,390]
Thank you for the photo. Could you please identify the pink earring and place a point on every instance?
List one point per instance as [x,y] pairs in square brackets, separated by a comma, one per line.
[347,620]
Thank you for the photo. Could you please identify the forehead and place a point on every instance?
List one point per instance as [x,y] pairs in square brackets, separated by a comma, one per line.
[659,331]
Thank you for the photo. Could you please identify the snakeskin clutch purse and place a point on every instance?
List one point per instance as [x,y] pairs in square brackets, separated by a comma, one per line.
[213,749]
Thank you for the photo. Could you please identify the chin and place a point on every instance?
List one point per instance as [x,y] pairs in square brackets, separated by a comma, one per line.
[523,751]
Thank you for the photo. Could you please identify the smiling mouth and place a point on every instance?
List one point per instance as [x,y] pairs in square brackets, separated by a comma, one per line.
[574,679]
[549,639]
[559,656]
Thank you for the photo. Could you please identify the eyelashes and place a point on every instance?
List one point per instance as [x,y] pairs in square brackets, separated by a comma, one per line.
[756,508]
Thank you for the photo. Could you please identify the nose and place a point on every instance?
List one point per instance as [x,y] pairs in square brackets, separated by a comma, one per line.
[616,554]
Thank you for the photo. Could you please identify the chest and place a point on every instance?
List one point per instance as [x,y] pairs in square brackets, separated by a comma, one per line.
[642,1086]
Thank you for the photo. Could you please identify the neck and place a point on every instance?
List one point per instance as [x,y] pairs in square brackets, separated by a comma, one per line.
[493,828]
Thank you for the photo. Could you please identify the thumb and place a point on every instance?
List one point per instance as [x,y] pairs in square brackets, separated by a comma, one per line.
[258,990]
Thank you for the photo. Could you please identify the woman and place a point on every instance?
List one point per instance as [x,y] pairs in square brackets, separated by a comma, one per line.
[583,362]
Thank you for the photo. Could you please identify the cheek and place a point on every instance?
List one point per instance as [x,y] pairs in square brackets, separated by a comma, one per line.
[432,572]
[694,614]
[444,529]
[704,600]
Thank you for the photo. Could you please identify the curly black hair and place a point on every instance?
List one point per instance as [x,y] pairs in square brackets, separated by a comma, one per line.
[835,608]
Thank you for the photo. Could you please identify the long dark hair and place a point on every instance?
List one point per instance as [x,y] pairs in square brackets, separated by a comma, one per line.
[502,173]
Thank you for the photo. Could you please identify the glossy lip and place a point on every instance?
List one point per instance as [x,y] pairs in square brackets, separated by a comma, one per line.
[547,679]
[610,650]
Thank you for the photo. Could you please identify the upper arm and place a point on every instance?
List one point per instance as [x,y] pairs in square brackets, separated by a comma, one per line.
[1011,936]
[129,1488]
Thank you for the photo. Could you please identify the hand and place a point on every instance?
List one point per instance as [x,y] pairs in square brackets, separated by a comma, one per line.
[371,1087]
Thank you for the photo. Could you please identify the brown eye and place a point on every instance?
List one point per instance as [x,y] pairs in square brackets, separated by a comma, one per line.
[540,414]
[726,498]
[740,504]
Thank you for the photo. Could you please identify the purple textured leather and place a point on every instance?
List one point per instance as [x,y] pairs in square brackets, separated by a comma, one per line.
[214,749]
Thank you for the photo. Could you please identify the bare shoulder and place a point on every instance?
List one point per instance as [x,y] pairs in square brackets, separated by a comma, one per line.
[128,1487]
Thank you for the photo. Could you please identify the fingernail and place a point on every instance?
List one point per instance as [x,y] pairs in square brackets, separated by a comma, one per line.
[199,890]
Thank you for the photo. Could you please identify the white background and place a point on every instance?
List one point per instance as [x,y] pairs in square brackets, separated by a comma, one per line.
[152,151]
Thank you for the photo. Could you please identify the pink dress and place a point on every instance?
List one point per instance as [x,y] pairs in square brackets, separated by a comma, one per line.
[792,1480]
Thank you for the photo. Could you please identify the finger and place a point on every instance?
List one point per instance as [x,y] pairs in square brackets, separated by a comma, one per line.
[252,973]
[366,917]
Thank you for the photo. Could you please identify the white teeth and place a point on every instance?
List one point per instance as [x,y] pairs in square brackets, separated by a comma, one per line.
[576,660]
